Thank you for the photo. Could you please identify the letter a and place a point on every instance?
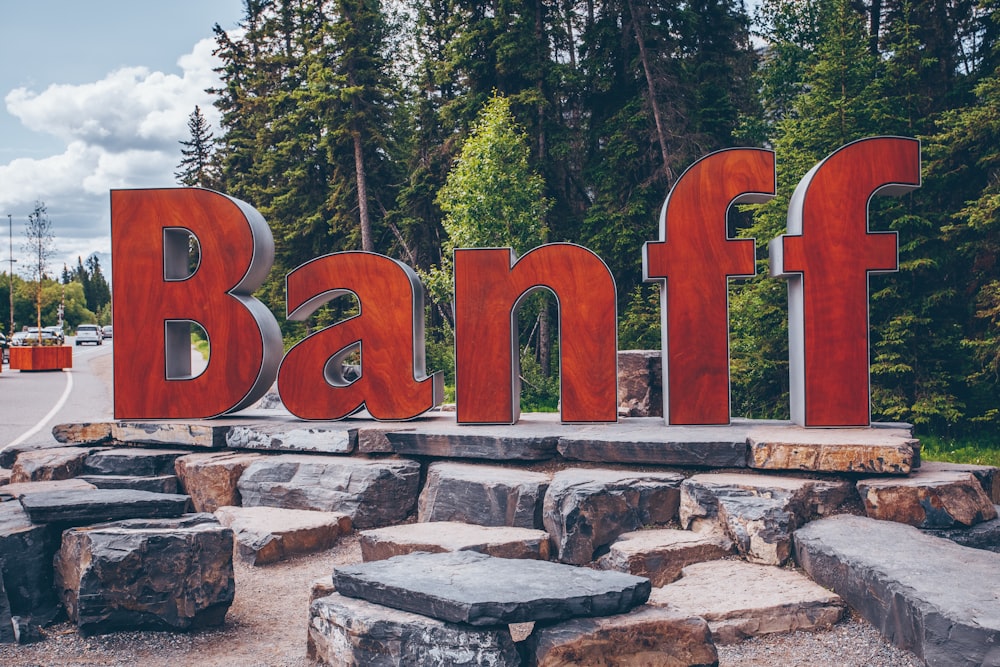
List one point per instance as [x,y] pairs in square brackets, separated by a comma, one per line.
[827,257]
[156,297]
[388,332]
[695,259]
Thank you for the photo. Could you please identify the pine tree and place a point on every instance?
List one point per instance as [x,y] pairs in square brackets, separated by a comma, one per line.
[195,168]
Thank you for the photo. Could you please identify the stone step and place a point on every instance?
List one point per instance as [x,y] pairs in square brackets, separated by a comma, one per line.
[660,554]
[988,476]
[985,535]
[200,434]
[16,491]
[135,462]
[483,495]
[180,574]
[886,451]
[212,478]
[925,594]
[442,536]
[156,484]
[372,492]
[586,509]
[928,499]
[741,600]
[49,464]
[647,441]
[472,588]
[759,511]
[83,507]
[270,534]
[332,439]
[645,636]
[349,631]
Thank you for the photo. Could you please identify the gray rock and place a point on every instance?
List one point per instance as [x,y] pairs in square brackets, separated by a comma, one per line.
[15,491]
[586,509]
[78,508]
[210,435]
[9,453]
[469,587]
[927,595]
[640,383]
[270,534]
[985,535]
[647,636]
[928,499]
[86,433]
[333,439]
[741,600]
[441,536]
[212,478]
[888,450]
[649,441]
[25,631]
[26,550]
[988,476]
[483,495]
[373,493]
[167,574]
[659,554]
[531,439]
[135,462]
[760,528]
[49,464]
[157,484]
[351,632]
[6,619]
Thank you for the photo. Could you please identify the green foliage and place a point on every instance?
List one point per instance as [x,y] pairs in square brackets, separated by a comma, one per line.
[639,325]
[982,449]
[539,391]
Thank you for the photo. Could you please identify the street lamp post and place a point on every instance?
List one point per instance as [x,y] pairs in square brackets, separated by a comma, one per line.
[10,271]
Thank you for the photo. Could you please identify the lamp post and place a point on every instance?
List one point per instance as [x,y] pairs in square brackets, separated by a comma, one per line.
[10,271]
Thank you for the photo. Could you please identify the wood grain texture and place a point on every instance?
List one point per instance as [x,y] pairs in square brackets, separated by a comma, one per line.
[236,253]
[827,256]
[389,331]
[41,358]
[489,288]
[695,259]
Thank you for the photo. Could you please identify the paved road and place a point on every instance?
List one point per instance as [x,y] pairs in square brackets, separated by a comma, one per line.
[32,403]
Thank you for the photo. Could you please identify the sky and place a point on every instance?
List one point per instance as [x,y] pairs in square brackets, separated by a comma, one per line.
[95,95]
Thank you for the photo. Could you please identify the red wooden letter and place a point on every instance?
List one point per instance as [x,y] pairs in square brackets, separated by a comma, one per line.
[156,297]
[489,289]
[389,333]
[827,256]
[695,258]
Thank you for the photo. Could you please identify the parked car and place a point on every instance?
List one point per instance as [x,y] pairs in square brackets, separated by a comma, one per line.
[106,331]
[4,348]
[89,333]
[30,336]
[58,332]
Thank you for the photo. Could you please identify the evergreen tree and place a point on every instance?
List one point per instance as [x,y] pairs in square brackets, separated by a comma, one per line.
[195,168]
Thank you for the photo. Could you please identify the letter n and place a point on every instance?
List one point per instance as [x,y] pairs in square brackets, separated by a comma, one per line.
[489,289]
[827,257]
[388,332]
[693,261]
[156,297]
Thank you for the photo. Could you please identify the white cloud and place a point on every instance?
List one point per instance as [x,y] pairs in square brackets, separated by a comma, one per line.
[119,132]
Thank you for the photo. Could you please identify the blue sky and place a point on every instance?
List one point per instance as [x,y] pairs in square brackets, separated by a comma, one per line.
[94,95]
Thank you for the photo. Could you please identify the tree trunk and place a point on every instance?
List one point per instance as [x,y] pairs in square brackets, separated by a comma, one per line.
[661,134]
[359,169]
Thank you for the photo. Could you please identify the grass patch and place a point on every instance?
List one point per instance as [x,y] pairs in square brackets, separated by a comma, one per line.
[980,450]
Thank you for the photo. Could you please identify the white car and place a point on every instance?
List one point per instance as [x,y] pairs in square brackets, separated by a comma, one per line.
[89,333]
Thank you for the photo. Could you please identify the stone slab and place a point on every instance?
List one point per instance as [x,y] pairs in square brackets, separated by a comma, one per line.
[927,595]
[988,476]
[928,499]
[349,631]
[81,507]
[287,438]
[648,636]
[49,464]
[87,433]
[372,492]
[15,491]
[482,494]
[985,535]
[586,509]
[472,588]
[160,574]
[132,461]
[741,600]
[26,551]
[156,484]
[202,434]
[6,618]
[442,536]
[271,534]
[212,478]
[649,441]
[887,451]
[534,438]
[659,554]
[10,453]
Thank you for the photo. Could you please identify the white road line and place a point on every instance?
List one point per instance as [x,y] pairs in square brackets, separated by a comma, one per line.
[47,418]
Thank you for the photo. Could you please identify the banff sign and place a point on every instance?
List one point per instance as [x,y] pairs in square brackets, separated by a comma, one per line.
[826,257]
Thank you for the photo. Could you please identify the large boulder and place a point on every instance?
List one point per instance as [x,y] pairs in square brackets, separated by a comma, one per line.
[483,495]
[54,463]
[640,383]
[928,499]
[887,451]
[373,493]
[269,534]
[82,507]
[212,478]
[659,554]
[136,462]
[587,509]
[26,551]
[167,574]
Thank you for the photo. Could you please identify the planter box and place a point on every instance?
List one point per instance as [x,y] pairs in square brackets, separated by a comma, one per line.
[39,358]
